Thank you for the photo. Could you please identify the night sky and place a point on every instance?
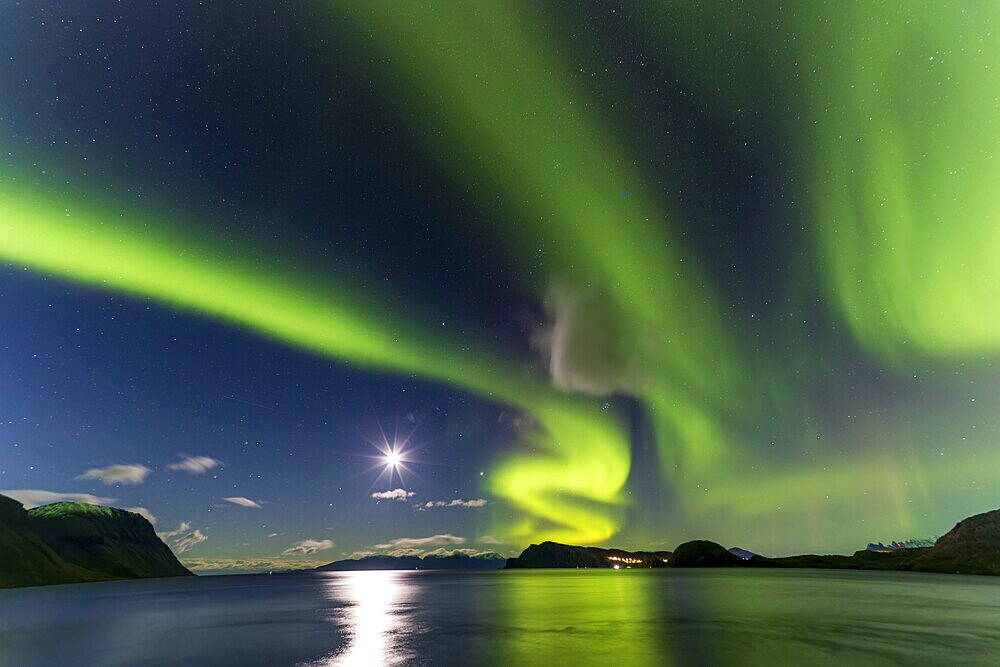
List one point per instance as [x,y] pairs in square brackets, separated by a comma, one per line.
[620,274]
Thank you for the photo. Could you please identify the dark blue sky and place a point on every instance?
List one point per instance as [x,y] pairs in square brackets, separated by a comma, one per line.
[656,226]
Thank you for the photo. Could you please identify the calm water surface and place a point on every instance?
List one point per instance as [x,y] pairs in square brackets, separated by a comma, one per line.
[569,617]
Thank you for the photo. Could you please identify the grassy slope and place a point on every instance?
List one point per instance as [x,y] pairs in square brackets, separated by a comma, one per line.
[73,542]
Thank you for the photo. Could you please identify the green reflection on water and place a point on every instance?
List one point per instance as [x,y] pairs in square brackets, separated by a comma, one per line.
[657,617]
[587,617]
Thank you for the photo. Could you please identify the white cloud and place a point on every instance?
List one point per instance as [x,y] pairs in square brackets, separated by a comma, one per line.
[242,502]
[122,473]
[409,551]
[145,513]
[358,555]
[457,502]
[417,542]
[249,564]
[196,465]
[35,497]
[306,547]
[395,494]
[182,544]
[270,535]
[167,534]
[182,538]
[441,551]
[489,539]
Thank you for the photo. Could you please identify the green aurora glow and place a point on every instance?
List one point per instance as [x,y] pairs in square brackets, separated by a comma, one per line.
[896,130]
[581,454]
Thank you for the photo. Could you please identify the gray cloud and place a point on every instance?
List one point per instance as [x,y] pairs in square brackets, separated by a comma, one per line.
[418,542]
[457,502]
[242,502]
[196,465]
[582,345]
[186,542]
[121,473]
[306,547]
[167,534]
[249,564]
[35,497]
[451,552]
[182,538]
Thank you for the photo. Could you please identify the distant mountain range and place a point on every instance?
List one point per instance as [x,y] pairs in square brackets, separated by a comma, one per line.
[456,561]
[971,547]
[742,553]
[74,542]
[905,544]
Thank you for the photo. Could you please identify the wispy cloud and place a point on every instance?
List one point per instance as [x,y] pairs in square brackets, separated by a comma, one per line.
[196,465]
[457,502]
[451,552]
[408,551]
[249,564]
[121,473]
[242,502]
[35,497]
[270,535]
[182,544]
[145,513]
[423,553]
[306,547]
[167,534]
[419,542]
[489,539]
[358,555]
[395,494]
[182,538]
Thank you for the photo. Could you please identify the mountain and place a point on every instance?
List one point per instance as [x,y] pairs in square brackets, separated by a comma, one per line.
[742,553]
[896,545]
[899,559]
[456,561]
[971,547]
[702,553]
[74,542]
[553,554]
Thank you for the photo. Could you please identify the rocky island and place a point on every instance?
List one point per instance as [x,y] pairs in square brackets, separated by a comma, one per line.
[553,554]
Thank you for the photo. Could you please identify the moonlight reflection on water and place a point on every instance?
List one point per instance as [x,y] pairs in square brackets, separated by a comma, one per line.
[373,613]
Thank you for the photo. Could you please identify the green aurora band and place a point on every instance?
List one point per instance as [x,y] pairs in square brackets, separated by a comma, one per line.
[502,109]
[570,486]
[890,110]
[896,124]
[896,118]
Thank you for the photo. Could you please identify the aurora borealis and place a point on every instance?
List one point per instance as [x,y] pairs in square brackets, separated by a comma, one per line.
[632,274]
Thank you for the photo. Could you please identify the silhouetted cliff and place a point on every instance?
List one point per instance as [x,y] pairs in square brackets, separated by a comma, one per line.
[73,542]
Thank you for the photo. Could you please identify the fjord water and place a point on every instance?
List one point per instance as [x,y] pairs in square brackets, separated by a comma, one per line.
[574,617]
